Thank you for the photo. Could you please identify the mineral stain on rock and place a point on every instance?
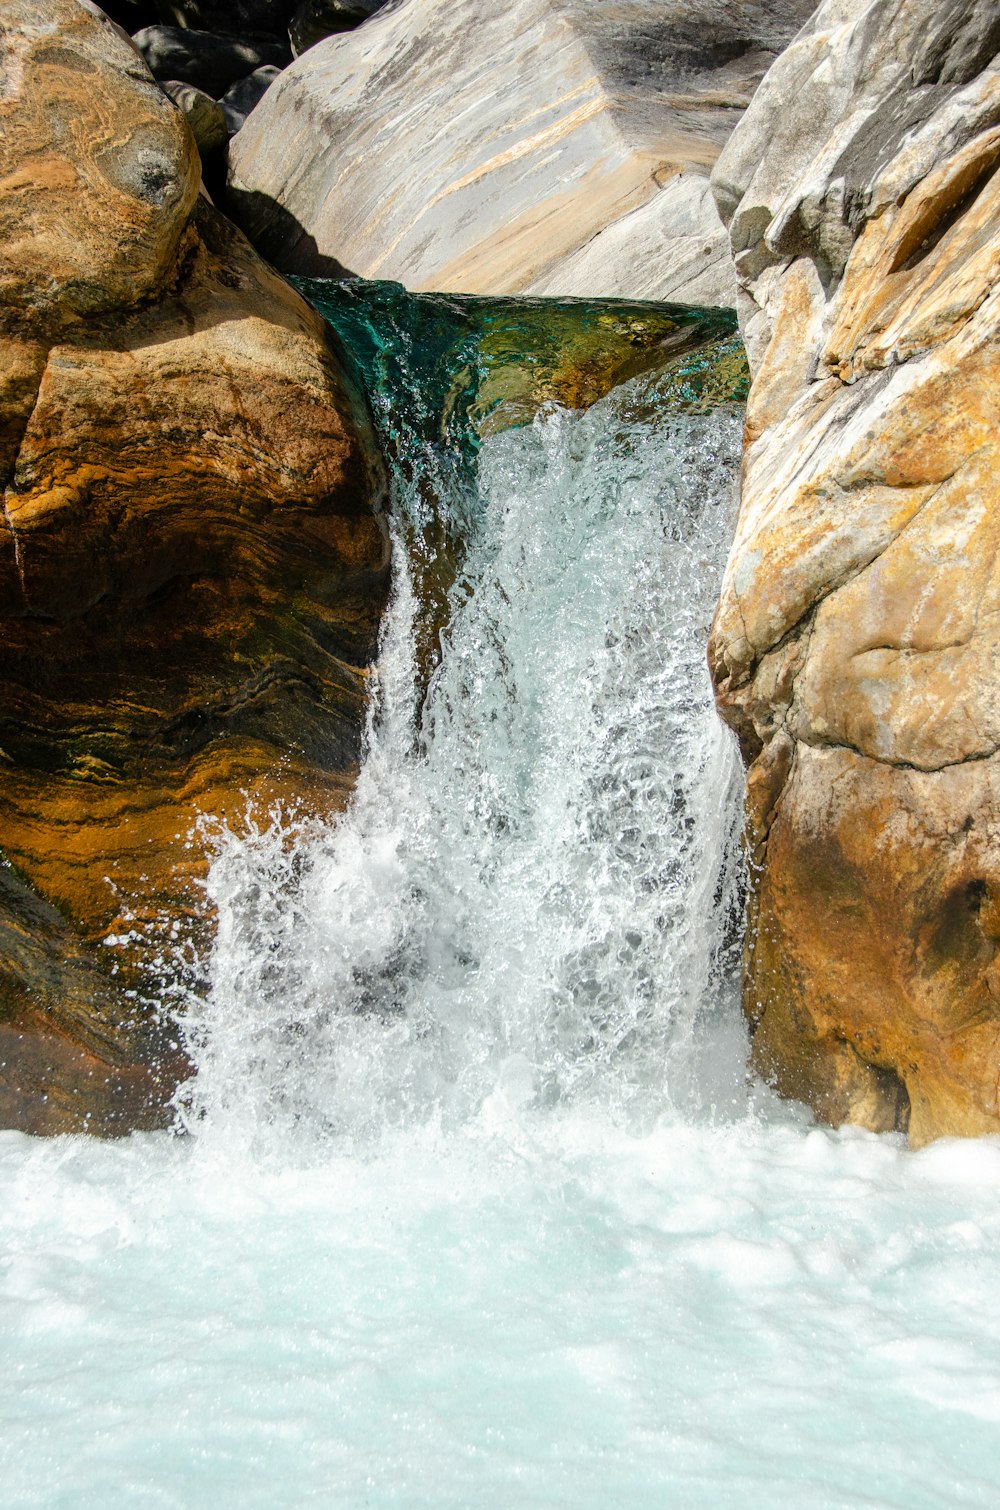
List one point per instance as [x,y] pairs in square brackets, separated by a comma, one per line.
[192,565]
[855,649]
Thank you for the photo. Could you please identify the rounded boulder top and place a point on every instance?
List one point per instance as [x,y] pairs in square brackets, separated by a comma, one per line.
[99,170]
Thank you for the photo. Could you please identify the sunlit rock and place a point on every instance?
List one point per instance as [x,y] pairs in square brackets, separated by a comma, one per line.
[191,564]
[856,647]
[547,146]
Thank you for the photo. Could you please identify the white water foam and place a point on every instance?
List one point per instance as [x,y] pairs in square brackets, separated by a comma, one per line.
[477,1212]
[531,891]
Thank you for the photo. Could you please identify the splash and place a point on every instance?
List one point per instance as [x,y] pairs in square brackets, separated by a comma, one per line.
[535,892]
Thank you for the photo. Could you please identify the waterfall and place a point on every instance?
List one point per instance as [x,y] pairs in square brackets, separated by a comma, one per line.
[479,1210]
[535,891]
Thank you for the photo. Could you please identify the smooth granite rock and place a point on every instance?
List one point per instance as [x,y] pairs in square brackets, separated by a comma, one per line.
[505,149]
[229,18]
[192,565]
[204,115]
[856,647]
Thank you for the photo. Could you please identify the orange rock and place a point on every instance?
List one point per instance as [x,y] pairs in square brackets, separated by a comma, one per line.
[192,564]
[856,647]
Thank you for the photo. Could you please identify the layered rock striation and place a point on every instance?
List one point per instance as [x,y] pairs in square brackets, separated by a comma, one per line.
[557,147]
[856,648]
[192,562]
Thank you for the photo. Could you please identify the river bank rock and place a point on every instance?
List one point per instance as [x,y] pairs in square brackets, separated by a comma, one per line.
[856,647]
[192,564]
[237,102]
[492,149]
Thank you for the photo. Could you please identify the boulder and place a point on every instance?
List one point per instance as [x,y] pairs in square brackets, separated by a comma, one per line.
[192,566]
[229,18]
[316,19]
[856,648]
[209,62]
[204,115]
[453,146]
[237,103]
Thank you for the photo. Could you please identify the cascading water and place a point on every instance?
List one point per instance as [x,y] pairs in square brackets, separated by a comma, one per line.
[534,888]
[478,1210]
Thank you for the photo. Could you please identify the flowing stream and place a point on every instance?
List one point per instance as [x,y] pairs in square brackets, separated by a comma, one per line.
[477,1205]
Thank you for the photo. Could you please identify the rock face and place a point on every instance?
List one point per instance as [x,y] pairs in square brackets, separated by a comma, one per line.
[546,146]
[191,565]
[856,647]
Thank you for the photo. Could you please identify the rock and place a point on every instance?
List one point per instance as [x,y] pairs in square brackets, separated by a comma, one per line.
[131,14]
[489,149]
[667,249]
[209,62]
[230,18]
[204,115]
[316,19]
[856,648]
[237,103]
[192,566]
[95,188]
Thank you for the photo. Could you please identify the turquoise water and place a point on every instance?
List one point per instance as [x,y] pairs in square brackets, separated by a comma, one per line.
[477,1206]
[537,1310]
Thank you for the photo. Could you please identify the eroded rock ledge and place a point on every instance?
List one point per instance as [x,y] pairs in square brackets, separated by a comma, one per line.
[856,648]
[192,562]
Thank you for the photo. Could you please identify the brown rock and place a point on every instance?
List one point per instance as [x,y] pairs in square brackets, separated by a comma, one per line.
[191,574]
[96,182]
[856,648]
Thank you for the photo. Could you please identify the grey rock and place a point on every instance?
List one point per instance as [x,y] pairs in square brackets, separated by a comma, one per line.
[867,99]
[204,115]
[209,62]
[484,148]
[237,103]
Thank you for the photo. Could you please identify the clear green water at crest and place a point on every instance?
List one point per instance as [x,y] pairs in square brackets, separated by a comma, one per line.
[455,367]
[479,1209]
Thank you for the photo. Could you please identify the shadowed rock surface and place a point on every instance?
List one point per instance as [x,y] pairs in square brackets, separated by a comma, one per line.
[489,149]
[202,58]
[856,648]
[315,19]
[191,565]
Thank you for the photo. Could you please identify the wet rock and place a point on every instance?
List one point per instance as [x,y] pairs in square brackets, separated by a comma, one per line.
[191,565]
[208,61]
[519,135]
[857,642]
[237,103]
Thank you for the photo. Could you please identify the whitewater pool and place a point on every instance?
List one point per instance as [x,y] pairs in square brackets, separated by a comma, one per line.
[472,1204]
[539,1311]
